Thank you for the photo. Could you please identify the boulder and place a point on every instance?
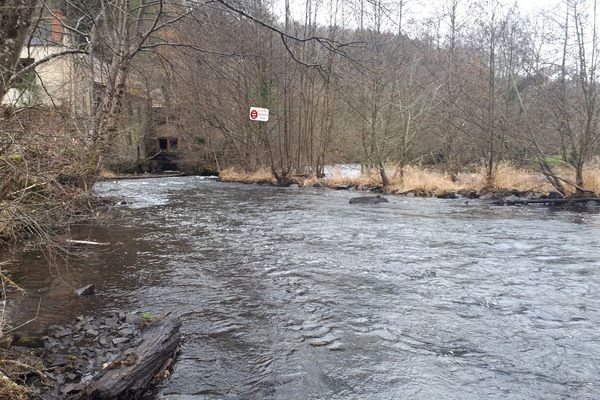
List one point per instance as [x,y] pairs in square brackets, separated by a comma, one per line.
[368,200]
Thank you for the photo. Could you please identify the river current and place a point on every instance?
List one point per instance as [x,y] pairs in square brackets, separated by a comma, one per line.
[292,293]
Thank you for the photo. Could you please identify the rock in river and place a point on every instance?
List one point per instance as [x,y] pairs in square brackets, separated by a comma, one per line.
[368,200]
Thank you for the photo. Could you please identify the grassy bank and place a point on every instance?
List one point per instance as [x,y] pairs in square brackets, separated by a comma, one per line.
[428,181]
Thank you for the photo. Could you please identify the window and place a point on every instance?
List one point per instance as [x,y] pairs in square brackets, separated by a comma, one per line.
[163,144]
[167,144]
[24,81]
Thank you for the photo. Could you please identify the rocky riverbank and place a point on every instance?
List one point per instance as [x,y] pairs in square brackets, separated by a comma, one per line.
[61,361]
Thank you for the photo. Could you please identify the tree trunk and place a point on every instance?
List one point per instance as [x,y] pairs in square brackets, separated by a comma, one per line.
[385,180]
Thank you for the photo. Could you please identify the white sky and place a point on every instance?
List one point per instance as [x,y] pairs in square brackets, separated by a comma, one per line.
[418,10]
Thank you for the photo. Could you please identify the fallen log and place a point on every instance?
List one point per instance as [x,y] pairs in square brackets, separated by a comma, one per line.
[549,202]
[130,375]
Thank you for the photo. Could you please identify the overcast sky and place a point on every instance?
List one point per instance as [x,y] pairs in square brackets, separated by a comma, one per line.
[418,9]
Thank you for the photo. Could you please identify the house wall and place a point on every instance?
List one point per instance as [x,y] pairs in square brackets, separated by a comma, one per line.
[58,82]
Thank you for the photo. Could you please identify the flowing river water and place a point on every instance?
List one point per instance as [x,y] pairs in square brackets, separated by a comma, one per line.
[295,294]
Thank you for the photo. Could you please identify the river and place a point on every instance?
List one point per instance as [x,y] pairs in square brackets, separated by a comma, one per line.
[290,293]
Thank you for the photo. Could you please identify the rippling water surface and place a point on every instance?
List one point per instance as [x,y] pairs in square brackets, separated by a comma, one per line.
[296,294]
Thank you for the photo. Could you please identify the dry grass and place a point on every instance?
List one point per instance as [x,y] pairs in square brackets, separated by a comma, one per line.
[107,174]
[591,176]
[419,180]
[236,175]
[310,181]
[509,177]
[430,181]
[361,181]
[10,390]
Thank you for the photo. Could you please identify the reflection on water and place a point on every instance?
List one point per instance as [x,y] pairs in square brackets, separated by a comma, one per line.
[296,294]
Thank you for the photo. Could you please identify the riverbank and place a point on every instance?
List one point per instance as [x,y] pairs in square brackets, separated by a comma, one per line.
[417,181]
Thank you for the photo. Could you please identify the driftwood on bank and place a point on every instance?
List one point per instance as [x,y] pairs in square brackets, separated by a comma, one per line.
[130,375]
[549,202]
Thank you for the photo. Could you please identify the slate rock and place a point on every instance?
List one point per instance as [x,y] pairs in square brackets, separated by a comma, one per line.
[71,376]
[120,340]
[126,331]
[70,388]
[91,333]
[61,333]
[134,320]
[110,322]
[58,360]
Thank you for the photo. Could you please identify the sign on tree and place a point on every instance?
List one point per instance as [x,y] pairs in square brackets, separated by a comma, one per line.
[259,114]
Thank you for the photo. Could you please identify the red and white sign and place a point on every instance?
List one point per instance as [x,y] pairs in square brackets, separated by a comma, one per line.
[259,114]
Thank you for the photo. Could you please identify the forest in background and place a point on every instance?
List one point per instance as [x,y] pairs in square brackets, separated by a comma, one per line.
[473,86]
[476,85]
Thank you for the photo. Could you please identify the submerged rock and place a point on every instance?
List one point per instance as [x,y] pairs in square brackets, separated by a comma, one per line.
[368,200]
[86,290]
